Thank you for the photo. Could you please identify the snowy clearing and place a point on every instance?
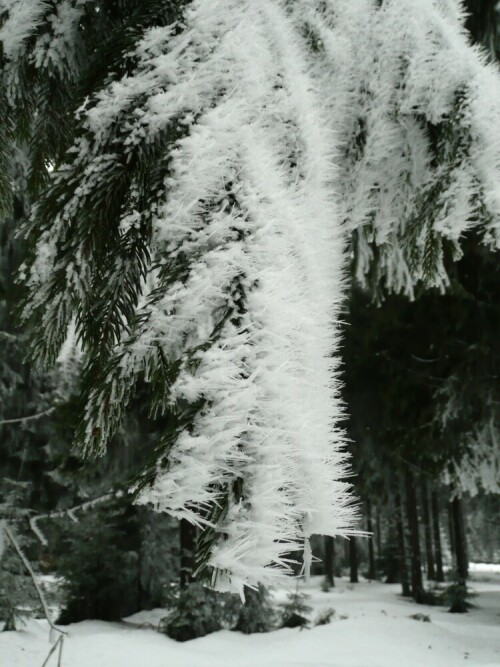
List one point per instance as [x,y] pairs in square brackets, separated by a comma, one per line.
[372,628]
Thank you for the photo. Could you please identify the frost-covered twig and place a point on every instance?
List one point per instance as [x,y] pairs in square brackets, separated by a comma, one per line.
[59,643]
[18,420]
[89,504]
[27,565]
[7,336]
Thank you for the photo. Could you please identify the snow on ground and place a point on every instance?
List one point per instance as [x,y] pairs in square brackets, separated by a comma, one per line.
[376,632]
[484,567]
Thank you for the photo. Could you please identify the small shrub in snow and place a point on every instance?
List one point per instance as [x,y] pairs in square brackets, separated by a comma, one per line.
[295,611]
[257,614]
[421,617]
[457,598]
[198,611]
[325,616]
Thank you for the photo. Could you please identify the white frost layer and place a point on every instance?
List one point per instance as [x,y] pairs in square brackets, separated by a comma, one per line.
[269,383]
[394,73]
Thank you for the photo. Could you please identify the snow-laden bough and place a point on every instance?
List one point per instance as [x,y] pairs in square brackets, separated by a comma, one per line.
[195,231]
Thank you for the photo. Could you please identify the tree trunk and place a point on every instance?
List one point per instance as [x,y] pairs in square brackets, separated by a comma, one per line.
[392,573]
[417,586]
[353,560]
[372,573]
[460,540]
[437,537]
[187,534]
[378,533]
[403,563]
[459,601]
[451,530]
[329,559]
[431,572]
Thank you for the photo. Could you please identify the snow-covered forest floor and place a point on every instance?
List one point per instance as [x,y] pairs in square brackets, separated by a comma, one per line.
[372,627]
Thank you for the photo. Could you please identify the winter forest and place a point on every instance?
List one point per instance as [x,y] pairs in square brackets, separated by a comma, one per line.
[249,333]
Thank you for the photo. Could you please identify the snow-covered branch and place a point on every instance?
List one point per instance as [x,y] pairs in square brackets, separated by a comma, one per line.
[19,420]
[7,336]
[70,512]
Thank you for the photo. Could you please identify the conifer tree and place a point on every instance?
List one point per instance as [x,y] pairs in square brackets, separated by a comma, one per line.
[196,170]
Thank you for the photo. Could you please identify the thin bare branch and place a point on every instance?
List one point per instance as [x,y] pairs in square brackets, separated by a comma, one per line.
[18,420]
[70,512]
[27,565]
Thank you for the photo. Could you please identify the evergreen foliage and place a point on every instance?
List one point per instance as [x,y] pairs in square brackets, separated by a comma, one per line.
[457,597]
[414,105]
[18,597]
[257,614]
[198,611]
[196,171]
[295,610]
[158,557]
[99,566]
[325,617]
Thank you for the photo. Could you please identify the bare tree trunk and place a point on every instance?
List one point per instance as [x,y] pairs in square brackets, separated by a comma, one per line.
[431,572]
[392,569]
[353,560]
[187,534]
[460,540]
[459,602]
[403,562]
[451,529]
[378,532]
[372,573]
[329,559]
[417,586]
[437,537]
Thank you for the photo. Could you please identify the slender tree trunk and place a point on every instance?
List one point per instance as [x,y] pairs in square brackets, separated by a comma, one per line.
[372,573]
[460,540]
[378,533]
[417,586]
[353,560]
[431,571]
[403,562]
[459,602]
[437,537]
[187,534]
[451,530]
[329,559]
[392,568]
